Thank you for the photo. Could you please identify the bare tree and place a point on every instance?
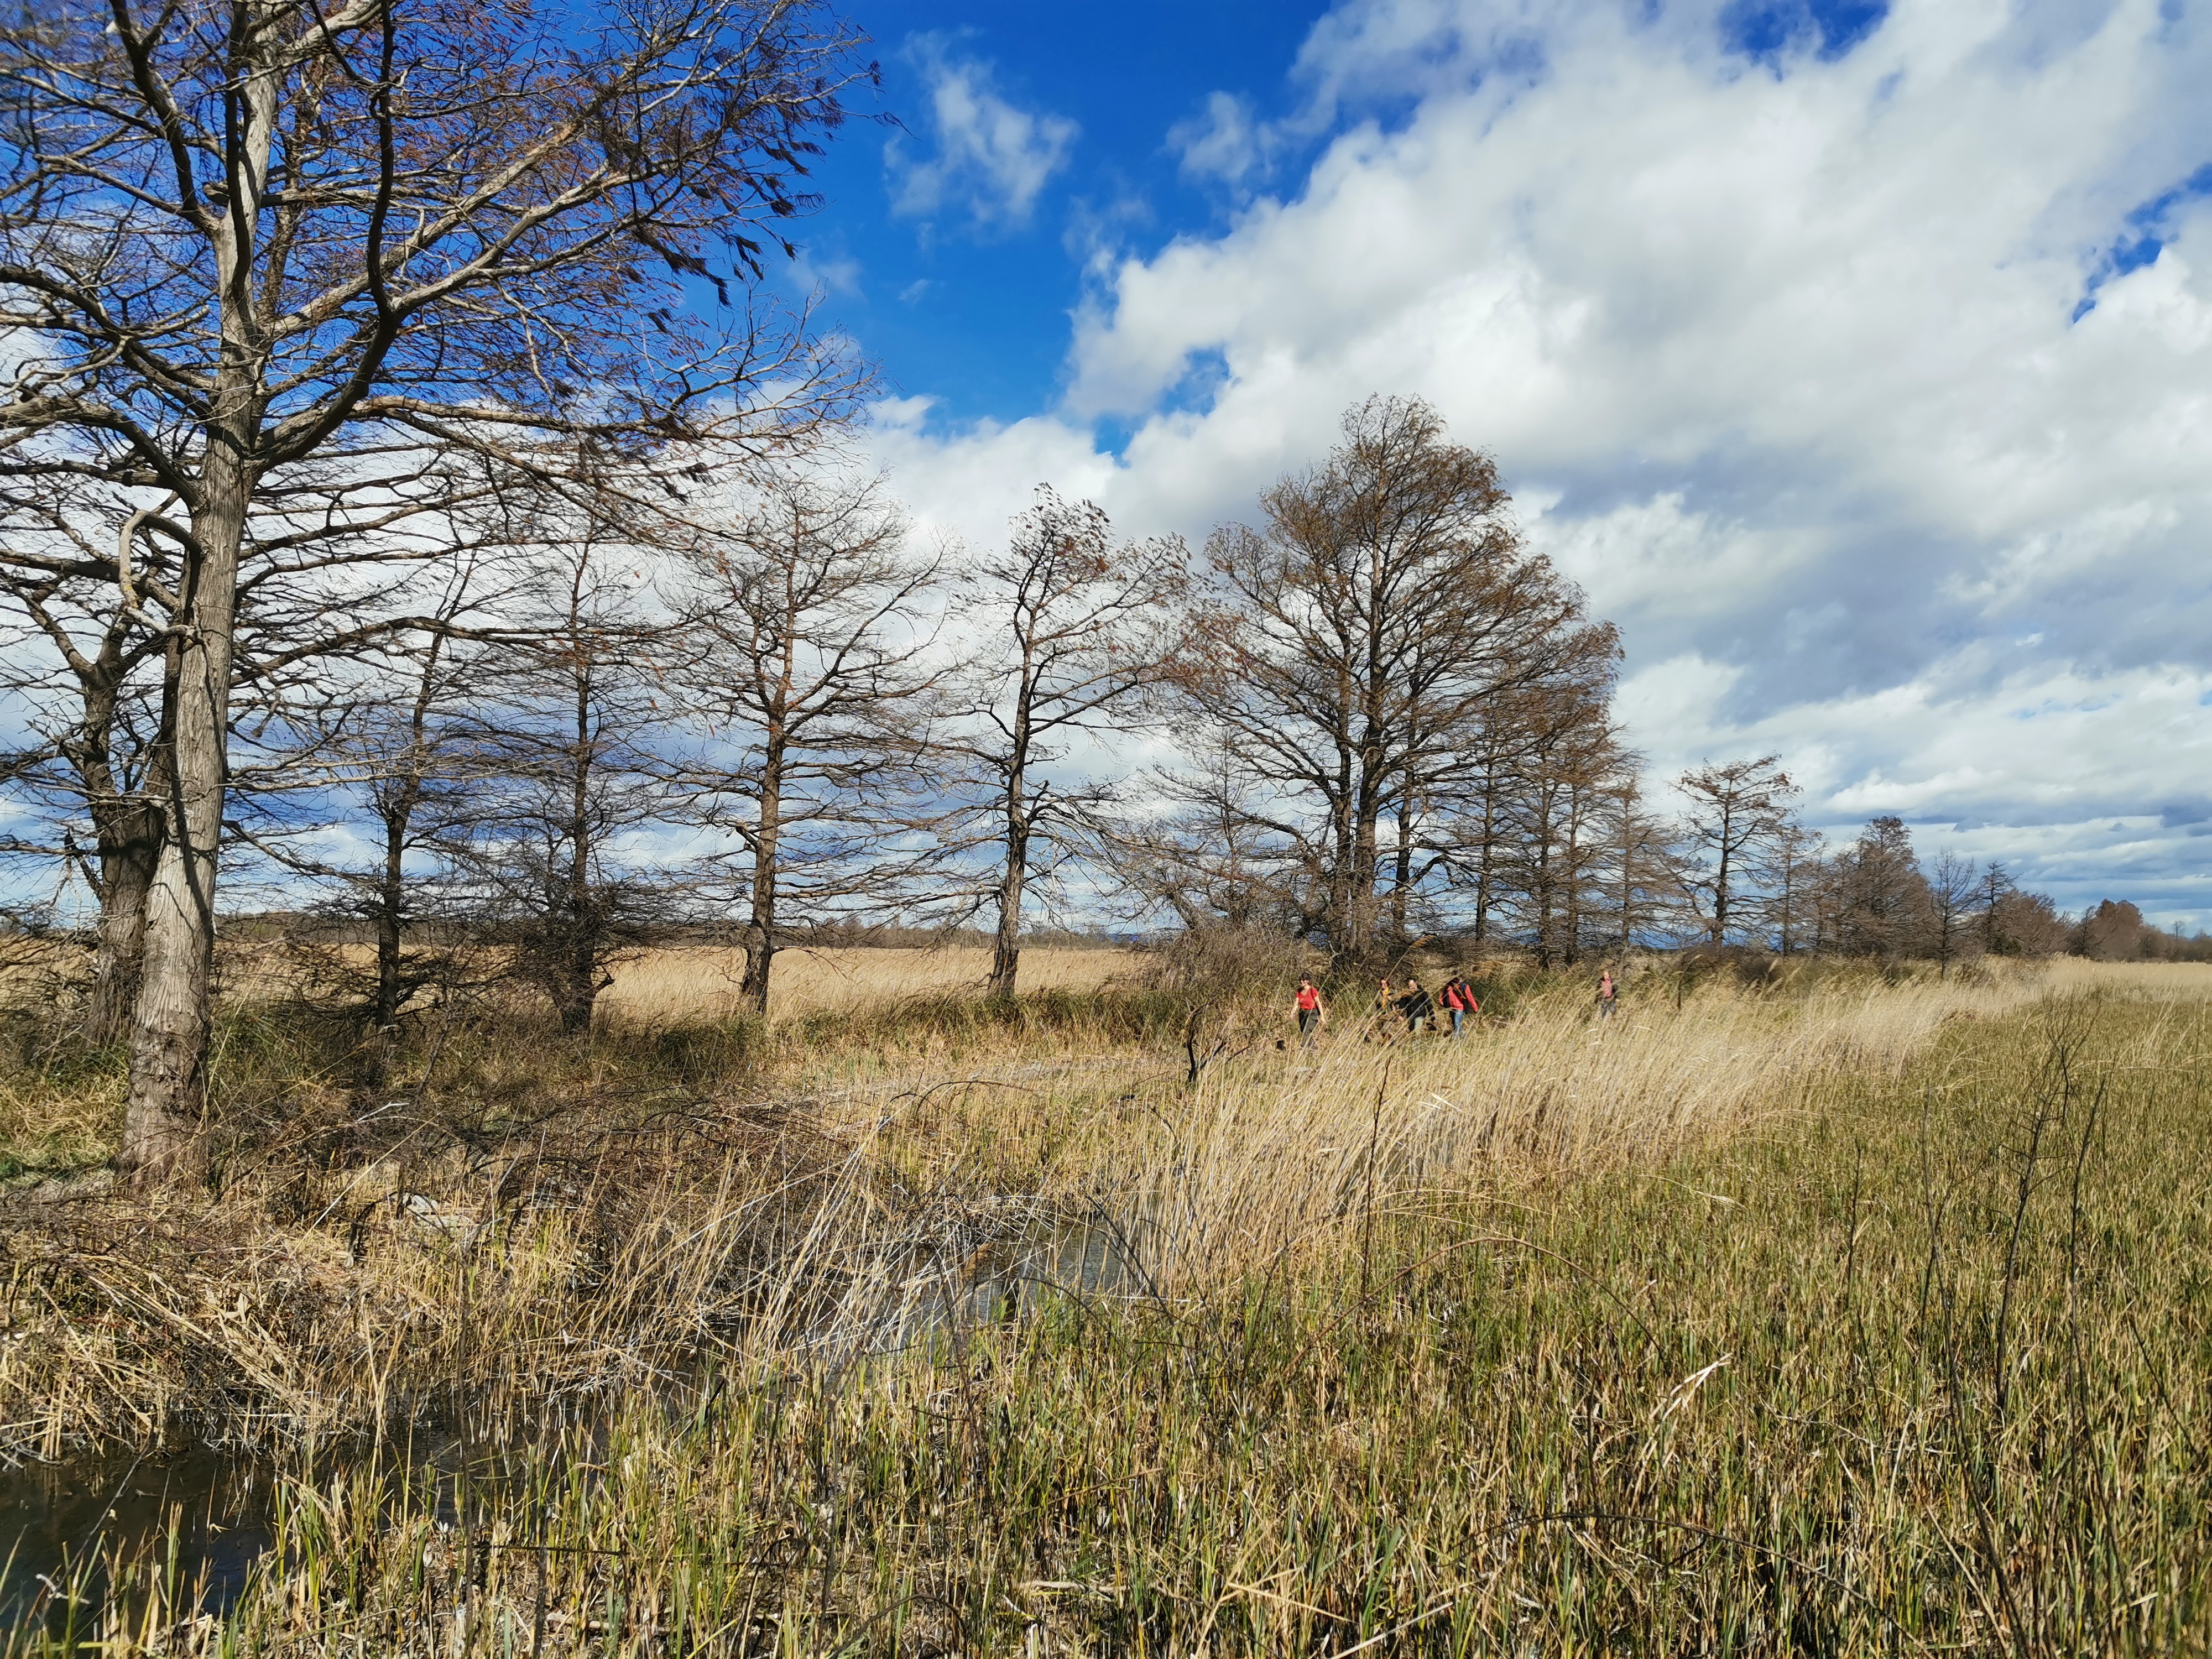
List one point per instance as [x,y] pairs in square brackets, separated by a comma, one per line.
[1736,811]
[1641,877]
[273,244]
[403,745]
[1355,640]
[1954,890]
[80,569]
[87,680]
[1487,777]
[2113,931]
[1995,882]
[1884,907]
[1789,868]
[806,658]
[1203,849]
[567,776]
[1066,639]
[2018,923]
[1564,783]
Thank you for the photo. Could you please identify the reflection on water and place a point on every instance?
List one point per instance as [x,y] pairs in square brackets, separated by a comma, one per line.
[208,1516]
[62,1520]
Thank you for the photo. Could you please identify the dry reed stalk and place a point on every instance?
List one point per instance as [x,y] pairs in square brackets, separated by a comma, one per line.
[1740,1397]
[589,1254]
[1266,1157]
[663,987]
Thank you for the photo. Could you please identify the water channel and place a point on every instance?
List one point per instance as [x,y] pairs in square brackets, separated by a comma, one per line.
[211,1515]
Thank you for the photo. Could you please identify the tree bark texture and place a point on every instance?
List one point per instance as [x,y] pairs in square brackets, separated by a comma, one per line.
[130,847]
[760,944]
[167,1104]
[163,1121]
[1007,948]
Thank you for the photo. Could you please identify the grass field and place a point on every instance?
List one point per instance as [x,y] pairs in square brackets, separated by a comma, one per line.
[667,986]
[1834,1316]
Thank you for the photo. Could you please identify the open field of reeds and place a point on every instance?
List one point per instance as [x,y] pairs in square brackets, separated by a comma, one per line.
[1821,1315]
[666,985]
[676,985]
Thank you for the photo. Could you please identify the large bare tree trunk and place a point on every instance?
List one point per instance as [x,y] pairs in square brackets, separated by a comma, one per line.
[760,959]
[130,847]
[1006,949]
[760,944]
[1366,850]
[163,1123]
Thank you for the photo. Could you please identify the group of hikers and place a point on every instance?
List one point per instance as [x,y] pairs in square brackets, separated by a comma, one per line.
[1415,1006]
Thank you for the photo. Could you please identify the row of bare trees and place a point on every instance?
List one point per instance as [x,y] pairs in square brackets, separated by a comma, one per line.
[759,711]
[290,292]
[2115,931]
[409,490]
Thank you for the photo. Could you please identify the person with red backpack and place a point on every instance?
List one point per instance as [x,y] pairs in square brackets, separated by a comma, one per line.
[1459,1001]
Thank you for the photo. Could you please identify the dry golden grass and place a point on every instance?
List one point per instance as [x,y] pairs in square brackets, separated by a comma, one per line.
[664,987]
[1683,1333]
[1276,1146]
[2163,981]
[681,984]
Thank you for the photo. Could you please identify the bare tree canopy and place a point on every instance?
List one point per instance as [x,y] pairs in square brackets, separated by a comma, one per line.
[567,778]
[256,256]
[1067,635]
[1739,812]
[805,652]
[1360,635]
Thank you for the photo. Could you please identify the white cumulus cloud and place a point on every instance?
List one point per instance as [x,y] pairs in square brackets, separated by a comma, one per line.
[1225,142]
[988,157]
[1869,391]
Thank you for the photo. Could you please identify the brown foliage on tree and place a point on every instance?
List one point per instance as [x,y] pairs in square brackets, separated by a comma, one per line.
[1358,645]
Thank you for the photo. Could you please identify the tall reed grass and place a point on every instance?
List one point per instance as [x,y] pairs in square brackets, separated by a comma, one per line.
[1843,1318]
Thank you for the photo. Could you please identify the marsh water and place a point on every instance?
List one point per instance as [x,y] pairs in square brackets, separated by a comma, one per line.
[207,1515]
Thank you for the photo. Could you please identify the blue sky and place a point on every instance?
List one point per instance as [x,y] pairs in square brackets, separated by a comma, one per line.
[968,302]
[969,299]
[1857,358]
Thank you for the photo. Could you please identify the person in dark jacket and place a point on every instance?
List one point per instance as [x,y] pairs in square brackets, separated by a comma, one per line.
[1419,1010]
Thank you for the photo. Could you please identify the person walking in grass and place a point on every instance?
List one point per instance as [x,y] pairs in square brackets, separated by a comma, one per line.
[1418,1008]
[1607,990]
[1312,1012]
[1460,1002]
[1386,1004]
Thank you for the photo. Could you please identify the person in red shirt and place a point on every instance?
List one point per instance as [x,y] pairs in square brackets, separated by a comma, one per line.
[1311,1012]
[1459,1001]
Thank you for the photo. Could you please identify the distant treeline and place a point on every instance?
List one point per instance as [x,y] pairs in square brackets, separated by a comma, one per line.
[2116,932]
